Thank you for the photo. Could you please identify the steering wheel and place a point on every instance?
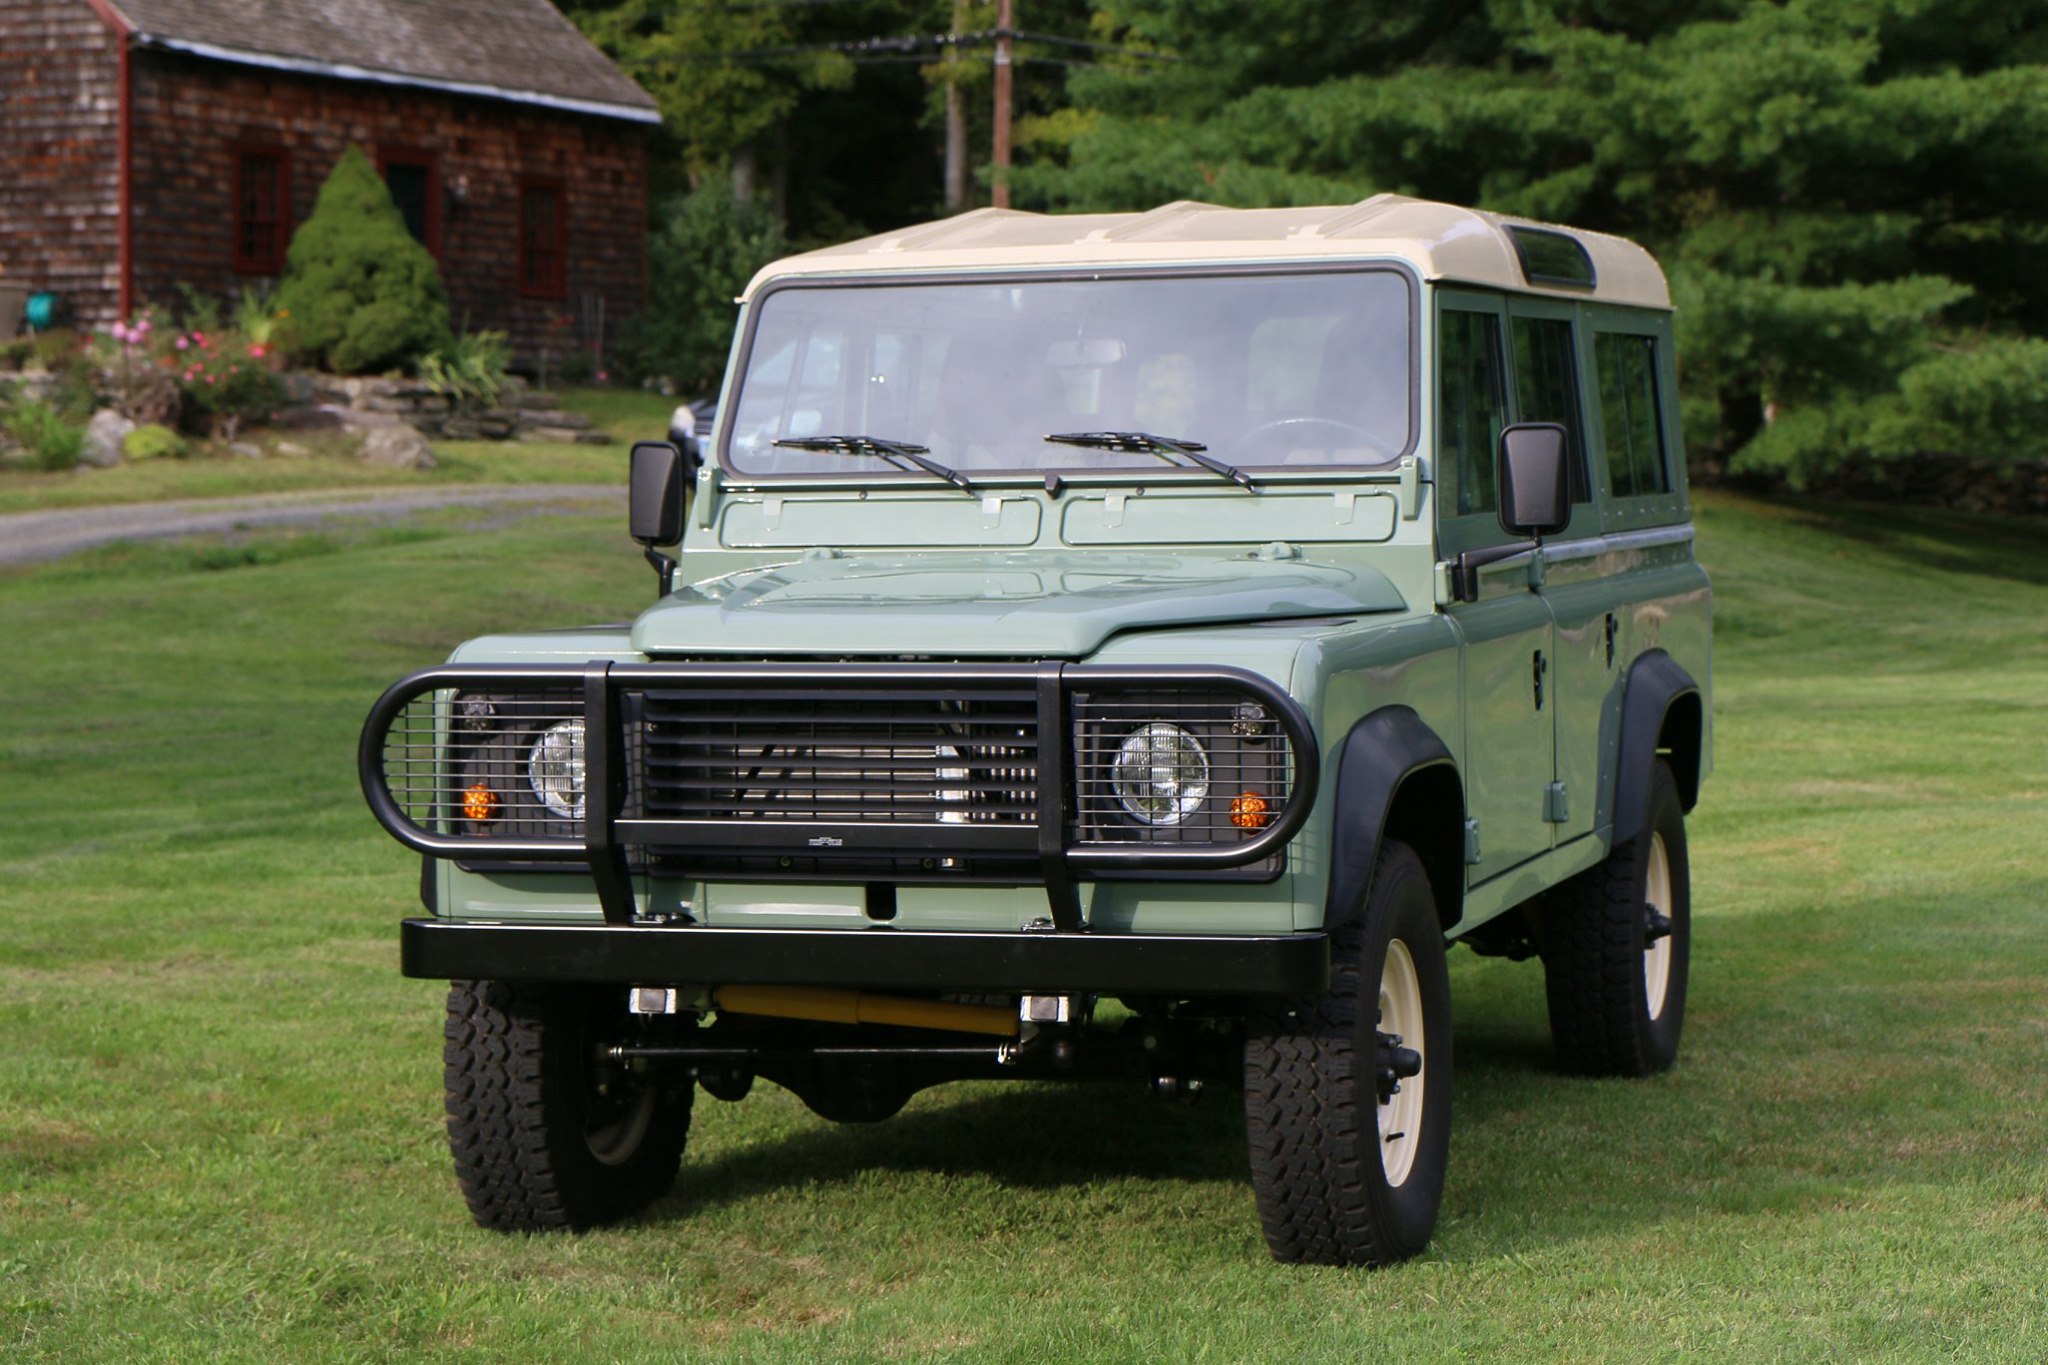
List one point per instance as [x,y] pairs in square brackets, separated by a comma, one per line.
[1357,435]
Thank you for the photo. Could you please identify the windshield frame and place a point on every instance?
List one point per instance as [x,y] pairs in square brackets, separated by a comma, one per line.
[874,475]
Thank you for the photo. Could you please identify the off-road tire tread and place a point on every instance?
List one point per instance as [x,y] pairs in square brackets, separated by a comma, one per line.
[1593,954]
[1302,1118]
[513,1178]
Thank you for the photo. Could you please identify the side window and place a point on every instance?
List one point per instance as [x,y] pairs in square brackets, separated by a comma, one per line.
[1471,403]
[1636,462]
[1547,387]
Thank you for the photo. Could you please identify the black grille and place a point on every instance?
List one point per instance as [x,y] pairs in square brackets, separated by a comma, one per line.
[847,755]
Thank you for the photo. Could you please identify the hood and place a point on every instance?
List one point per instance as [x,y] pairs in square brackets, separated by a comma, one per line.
[1047,605]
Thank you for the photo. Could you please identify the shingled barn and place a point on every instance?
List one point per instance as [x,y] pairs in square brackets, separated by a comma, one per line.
[148,144]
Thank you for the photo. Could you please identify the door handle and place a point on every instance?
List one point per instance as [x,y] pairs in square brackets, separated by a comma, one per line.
[1537,666]
[1613,626]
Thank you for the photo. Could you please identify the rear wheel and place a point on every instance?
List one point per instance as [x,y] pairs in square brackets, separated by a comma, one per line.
[545,1132]
[1348,1095]
[1617,947]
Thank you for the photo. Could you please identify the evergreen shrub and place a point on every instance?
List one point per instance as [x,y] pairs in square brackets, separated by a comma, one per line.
[363,296]
[704,250]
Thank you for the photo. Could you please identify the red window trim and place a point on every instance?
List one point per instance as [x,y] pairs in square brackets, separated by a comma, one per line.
[555,283]
[272,262]
[430,162]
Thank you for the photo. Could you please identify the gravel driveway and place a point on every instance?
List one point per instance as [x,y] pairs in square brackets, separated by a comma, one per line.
[27,537]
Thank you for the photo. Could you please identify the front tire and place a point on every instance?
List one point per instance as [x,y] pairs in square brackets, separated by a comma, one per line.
[1617,948]
[1348,1150]
[544,1134]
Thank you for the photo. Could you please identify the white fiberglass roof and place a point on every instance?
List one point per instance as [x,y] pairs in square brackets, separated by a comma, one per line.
[1441,241]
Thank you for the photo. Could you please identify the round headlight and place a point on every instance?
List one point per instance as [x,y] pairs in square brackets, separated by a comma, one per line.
[1160,774]
[554,767]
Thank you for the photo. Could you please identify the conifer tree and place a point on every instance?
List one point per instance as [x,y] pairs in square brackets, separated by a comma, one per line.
[362,295]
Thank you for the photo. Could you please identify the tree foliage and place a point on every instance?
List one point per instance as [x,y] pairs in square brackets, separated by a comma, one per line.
[706,248]
[361,294]
[1847,193]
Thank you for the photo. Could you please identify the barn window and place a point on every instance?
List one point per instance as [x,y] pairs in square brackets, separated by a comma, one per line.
[414,179]
[263,201]
[543,240]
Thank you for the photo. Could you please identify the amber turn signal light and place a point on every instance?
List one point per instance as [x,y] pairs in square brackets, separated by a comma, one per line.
[479,803]
[1250,810]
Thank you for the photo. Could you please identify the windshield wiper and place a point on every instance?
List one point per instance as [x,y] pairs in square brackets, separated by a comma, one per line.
[886,449]
[1165,447]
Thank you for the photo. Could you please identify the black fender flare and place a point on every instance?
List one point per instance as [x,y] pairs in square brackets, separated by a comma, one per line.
[1382,751]
[1655,682]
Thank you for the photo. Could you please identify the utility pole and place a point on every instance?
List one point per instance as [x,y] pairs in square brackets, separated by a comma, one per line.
[999,176]
[956,119]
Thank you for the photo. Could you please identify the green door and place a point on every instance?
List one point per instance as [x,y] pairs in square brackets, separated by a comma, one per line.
[1507,635]
[1547,353]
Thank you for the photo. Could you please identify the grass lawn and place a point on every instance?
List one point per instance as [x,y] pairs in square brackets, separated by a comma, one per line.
[219,1103]
[628,414]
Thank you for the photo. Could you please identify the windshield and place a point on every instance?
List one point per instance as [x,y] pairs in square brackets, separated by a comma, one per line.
[1265,371]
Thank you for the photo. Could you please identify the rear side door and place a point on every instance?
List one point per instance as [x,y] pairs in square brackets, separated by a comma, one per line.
[1549,353]
[1510,744]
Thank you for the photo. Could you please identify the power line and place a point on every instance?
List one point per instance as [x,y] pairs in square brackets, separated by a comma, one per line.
[903,43]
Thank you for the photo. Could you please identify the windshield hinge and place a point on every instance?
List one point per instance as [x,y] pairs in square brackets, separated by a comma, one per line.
[1410,470]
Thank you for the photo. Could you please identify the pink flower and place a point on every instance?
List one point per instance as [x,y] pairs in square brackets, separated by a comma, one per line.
[258,351]
[603,378]
[182,343]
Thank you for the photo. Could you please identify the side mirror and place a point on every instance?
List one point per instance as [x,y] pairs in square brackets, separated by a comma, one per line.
[656,506]
[1535,479]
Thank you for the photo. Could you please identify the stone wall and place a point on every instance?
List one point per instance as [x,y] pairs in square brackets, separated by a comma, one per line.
[521,413]
[191,116]
[60,167]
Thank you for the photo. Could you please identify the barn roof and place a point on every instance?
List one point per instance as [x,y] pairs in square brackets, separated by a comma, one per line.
[519,50]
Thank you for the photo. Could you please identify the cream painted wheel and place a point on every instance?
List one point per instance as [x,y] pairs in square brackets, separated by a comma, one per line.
[1347,1094]
[1657,952]
[1400,1116]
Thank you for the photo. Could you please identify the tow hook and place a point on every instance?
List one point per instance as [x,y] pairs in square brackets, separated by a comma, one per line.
[1656,925]
[1396,1064]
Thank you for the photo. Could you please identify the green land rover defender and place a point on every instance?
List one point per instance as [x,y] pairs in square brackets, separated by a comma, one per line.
[1114,646]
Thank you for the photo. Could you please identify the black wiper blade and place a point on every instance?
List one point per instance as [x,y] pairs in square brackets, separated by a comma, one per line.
[1165,447]
[887,449]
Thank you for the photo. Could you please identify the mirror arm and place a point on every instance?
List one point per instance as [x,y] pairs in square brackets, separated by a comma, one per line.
[1465,568]
[665,566]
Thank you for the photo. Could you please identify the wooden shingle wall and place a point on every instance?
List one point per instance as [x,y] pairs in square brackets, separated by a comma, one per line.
[190,116]
[60,154]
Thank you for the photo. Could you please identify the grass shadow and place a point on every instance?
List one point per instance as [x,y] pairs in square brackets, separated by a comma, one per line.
[1982,545]
[1027,1136]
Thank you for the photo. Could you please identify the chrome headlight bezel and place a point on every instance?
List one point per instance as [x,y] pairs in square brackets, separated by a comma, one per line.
[555,769]
[1157,763]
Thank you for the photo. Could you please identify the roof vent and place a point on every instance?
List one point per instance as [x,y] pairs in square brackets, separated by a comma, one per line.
[1552,257]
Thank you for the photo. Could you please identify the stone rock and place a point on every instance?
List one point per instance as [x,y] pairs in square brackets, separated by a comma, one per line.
[574,421]
[557,435]
[495,429]
[245,450]
[292,450]
[103,437]
[593,438]
[398,447]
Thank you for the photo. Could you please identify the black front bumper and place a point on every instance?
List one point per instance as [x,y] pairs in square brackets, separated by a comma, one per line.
[875,958]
